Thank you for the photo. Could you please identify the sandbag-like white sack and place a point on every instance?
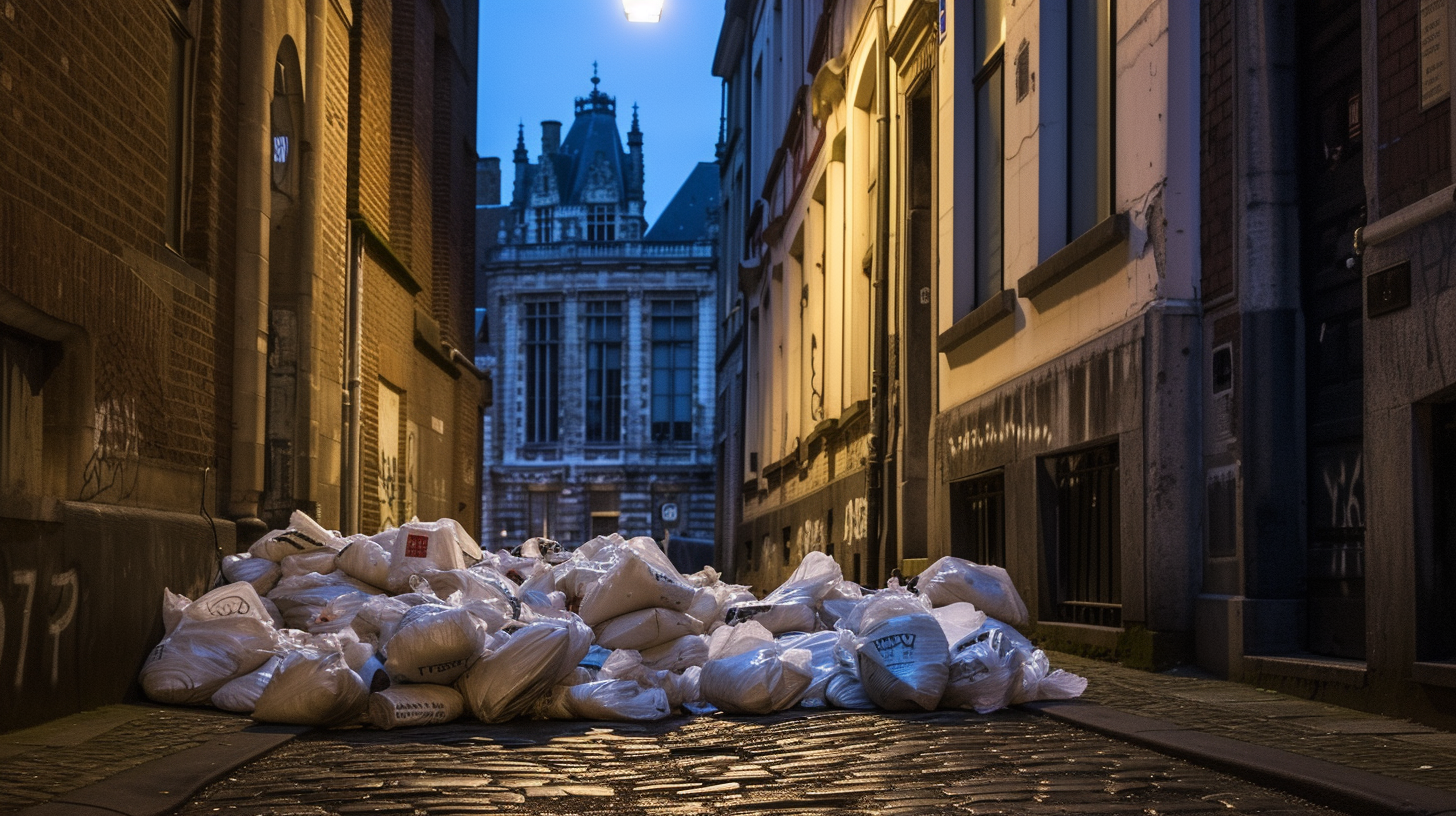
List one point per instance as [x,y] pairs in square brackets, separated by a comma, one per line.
[303,535]
[220,636]
[677,654]
[778,618]
[300,598]
[631,585]
[322,561]
[711,603]
[845,691]
[904,663]
[810,582]
[378,618]
[173,605]
[648,548]
[984,675]
[606,700]
[365,560]
[408,706]
[747,673]
[626,664]
[514,674]
[313,688]
[646,628]
[434,644]
[989,588]
[420,547]
[958,620]
[823,661]
[240,694]
[260,572]
[1040,682]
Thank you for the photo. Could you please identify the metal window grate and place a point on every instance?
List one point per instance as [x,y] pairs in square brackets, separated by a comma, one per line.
[1086,552]
[978,518]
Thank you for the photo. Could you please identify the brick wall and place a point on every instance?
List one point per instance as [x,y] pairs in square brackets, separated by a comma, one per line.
[1216,160]
[1413,150]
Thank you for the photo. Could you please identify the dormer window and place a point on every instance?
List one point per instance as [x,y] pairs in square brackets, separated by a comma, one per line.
[545,220]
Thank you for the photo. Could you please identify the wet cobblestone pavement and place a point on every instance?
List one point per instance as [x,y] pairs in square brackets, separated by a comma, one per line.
[797,762]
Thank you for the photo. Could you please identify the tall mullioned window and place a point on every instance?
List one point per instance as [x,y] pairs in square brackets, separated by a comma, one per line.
[545,225]
[603,371]
[542,326]
[601,223]
[672,370]
[978,274]
[1089,114]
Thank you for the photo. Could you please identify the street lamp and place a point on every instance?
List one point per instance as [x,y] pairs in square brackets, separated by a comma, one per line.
[643,11]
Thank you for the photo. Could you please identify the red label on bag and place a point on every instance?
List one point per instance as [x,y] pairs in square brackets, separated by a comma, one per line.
[416,546]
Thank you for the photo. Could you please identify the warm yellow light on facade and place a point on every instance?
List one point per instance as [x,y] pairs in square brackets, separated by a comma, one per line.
[643,11]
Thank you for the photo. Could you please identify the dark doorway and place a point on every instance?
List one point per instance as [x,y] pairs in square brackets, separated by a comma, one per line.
[917,322]
[1436,559]
[1332,206]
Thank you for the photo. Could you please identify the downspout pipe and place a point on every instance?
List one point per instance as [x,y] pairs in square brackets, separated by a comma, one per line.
[877,498]
[349,501]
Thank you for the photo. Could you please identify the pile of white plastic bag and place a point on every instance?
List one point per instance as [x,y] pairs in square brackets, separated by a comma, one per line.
[418,626]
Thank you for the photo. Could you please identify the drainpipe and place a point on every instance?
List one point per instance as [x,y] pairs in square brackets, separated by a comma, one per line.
[876,498]
[315,70]
[349,501]
[250,337]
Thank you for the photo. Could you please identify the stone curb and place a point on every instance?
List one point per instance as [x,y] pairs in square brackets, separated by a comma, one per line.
[161,786]
[1318,780]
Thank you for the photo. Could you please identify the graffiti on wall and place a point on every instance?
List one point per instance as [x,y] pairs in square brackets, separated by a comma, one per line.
[116,453]
[60,594]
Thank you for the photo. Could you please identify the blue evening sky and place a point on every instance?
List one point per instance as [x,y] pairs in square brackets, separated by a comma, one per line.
[536,57]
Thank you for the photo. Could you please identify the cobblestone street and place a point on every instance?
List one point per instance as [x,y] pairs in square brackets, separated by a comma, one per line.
[798,762]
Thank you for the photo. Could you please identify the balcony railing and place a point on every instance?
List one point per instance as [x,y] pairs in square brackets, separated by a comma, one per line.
[611,250]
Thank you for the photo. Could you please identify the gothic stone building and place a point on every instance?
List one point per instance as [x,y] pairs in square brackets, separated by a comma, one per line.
[603,333]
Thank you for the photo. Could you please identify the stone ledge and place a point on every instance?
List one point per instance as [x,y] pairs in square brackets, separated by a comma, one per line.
[1105,235]
[1434,673]
[1000,305]
[1316,669]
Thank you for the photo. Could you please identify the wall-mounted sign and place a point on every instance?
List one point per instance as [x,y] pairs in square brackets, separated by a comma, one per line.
[1435,45]
[669,512]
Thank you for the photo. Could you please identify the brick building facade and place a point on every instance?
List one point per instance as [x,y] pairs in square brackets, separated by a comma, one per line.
[601,336]
[225,231]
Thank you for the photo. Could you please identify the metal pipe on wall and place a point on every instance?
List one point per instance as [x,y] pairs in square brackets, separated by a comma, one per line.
[349,489]
[876,504]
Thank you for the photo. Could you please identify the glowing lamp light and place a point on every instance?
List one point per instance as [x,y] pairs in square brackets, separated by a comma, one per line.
[643,11]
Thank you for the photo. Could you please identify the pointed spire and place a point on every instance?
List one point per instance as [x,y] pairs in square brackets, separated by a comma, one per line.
[635,129]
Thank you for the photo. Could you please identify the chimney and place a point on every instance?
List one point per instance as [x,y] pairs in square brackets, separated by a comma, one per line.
[487,182]
[550,137]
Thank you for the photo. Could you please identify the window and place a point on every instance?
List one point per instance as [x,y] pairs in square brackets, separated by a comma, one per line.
[543,358]
[1084,554]
[179,125]
[672,370]
[1089,114]
[605,507]
[603,371]
[980,183]
[545,223]
[601,223]
[541,512]
[978,519]
[26,364]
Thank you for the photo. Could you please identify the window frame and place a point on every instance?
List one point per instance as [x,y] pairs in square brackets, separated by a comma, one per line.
[599,341]
[679,315]
[541,371]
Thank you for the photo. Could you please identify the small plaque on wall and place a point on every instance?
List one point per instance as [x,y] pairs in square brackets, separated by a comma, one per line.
[1388,290]
[1435,45]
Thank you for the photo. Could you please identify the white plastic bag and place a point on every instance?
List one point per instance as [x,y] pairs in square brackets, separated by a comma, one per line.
[173,605]
[240,694]
[303,535]
[433,644]
[983,676]
[845,691]
[677,654]
[418,548]
[407,706]
[365,560]
[747,673]
[958,620]
[989,588]
[810,582]
[260,572]
[778,618]
[607,700]
[631,585]
[821,647]
[646,628]
[525,667]
[220,636]
[904,662]
[1040,682]
[322,561]
[313,688]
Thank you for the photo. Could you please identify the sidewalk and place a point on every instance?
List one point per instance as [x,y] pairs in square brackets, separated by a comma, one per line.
[143,760]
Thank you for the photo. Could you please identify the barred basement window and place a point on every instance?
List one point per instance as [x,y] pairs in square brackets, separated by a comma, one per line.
[601,223]
[1084,525]
[672,370]
[604,371]
[978,518]
[543,359]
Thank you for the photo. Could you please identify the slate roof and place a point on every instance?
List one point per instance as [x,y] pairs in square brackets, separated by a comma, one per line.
[686,217]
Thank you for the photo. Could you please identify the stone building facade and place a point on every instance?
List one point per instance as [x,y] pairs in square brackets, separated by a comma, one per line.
[601,336]
[235,267]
